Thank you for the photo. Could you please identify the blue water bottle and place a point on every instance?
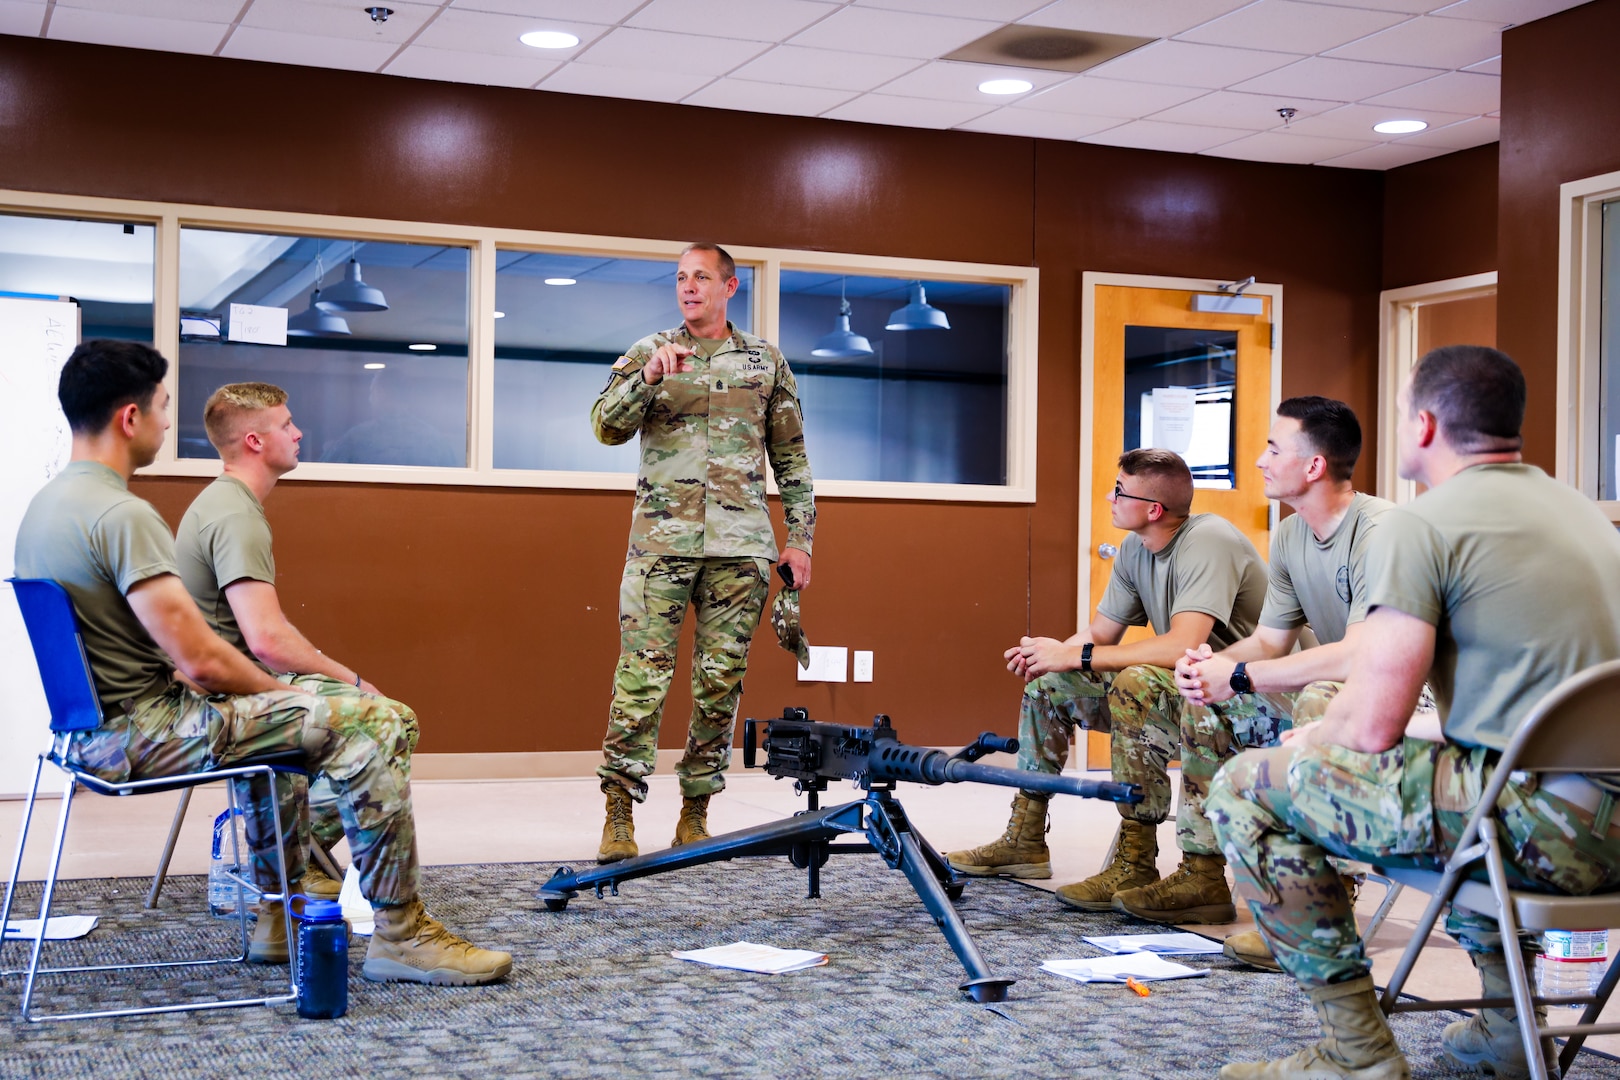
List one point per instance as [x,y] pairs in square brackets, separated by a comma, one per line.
[323,959]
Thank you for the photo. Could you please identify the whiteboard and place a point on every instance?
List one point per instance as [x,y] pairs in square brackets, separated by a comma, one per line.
[36,337]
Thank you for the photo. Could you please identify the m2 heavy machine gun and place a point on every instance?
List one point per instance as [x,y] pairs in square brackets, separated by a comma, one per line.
[874,758]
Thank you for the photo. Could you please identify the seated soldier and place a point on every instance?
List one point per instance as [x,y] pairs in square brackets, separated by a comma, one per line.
[224,553]
[113,554]
[1195,578]
[1498,582]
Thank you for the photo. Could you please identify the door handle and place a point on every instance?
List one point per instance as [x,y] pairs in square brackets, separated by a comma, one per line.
[1106,551]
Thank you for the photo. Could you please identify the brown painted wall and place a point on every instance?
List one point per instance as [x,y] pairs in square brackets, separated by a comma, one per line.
[1440,218]
[492,611]
[1560,122]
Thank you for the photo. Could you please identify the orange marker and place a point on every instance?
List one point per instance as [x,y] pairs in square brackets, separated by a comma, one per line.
[1138,987]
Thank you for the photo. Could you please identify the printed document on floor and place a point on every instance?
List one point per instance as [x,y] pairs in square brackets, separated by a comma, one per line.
[1171,944]
[746,956]
[60,928]
[1116,969]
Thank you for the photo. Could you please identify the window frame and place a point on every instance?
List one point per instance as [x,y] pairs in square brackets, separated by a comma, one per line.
[1580,329]
[483,242]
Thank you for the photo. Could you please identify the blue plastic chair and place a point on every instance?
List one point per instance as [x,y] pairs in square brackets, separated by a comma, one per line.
[71,694]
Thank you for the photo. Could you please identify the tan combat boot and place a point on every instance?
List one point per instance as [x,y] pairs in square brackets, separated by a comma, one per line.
[317,885]
[619,830]
[268,945]
[1196,893]
[1251,947]
[694,820]
[1356,1042]
[1021,851]
[1491,1040]
[1134,864]
[409,945]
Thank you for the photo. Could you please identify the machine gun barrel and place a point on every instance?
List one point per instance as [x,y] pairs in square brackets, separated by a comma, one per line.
[922,765]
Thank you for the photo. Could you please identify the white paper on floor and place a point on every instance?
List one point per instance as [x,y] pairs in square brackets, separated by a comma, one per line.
[1171,944]
[60,928]
[1116,969]
[746,956]
[356,908]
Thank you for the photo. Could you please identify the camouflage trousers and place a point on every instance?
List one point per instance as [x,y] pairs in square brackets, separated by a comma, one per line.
[1280,813]
[1212,734]
[363,750]
[325,820]
[727,596]
[1140,705]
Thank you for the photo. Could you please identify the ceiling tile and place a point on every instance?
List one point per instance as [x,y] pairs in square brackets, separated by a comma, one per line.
[796,66]
[216,11]
[1356,122]
[349,21]
[1493,66]
[1181,63]
[659,50]
[1108,97]
[906,112]
[21,19]
[766,98]
[1288,149]
[1288,26]
[486,32]
[1406,7]
[1252,112]
[1320,78]
[454,65]
[640,84]
[893,33]
[1461,135]
[944,80]
[1387,156]
[279,47]
[1173,138]
[1506,12]
[1035,124]
[752,20]
[544,12]
[1428,41]
[1005,10]
[1143,18]
[1455,91]
[134,31]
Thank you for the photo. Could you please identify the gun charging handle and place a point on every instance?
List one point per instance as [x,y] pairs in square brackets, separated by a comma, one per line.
[987,743]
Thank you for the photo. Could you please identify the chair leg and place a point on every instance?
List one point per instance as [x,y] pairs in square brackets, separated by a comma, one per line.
[1392,890]
[168,848]
[46,895]
[327,864]
[22,841]
[1572,1045]
[1518,977]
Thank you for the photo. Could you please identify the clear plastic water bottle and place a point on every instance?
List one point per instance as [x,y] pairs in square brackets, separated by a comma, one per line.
[323,959]
[221,888]
[1571,962]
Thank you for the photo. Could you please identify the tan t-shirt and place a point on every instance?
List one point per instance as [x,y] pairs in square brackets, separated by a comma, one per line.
[1321,582]
[1208,566]
[1520,577]
[224,538]
[85,531]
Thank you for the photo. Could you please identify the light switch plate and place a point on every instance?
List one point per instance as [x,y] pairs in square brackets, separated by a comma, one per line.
[863,665]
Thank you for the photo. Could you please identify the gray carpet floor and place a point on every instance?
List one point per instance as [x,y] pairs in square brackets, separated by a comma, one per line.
[595,992]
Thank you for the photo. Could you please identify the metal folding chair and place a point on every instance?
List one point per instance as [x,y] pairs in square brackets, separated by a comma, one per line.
[1570,730]
[71,695]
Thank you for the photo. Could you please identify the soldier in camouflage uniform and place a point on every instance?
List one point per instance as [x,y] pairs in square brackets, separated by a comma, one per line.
[1498,583]
[1195,578]
[113,554]
[712,405]
[1251,692]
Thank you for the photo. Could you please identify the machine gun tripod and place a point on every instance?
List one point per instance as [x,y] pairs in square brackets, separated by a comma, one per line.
[813,753]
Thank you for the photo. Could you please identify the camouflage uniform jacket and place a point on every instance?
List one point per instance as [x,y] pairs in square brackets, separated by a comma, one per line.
[706,435]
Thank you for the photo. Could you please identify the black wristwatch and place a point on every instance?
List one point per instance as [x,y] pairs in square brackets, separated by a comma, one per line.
[1240,682]
[1085,655]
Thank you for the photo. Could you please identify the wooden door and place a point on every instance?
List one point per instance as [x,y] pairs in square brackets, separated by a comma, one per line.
[1147,339]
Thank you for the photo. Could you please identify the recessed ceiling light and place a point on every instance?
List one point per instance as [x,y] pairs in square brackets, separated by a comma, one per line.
[1006,86]
[500,314]
[375,367]
[561,281]
[1400,127]
[549,39]
[422,346]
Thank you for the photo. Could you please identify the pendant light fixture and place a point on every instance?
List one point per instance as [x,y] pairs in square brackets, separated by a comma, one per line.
[352,293]
[316,321]
[919,314]
[842,343]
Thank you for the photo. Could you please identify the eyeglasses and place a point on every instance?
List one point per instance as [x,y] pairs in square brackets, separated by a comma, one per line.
[1120,494]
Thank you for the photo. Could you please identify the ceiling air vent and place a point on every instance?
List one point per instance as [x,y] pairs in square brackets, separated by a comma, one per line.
[1046,47]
